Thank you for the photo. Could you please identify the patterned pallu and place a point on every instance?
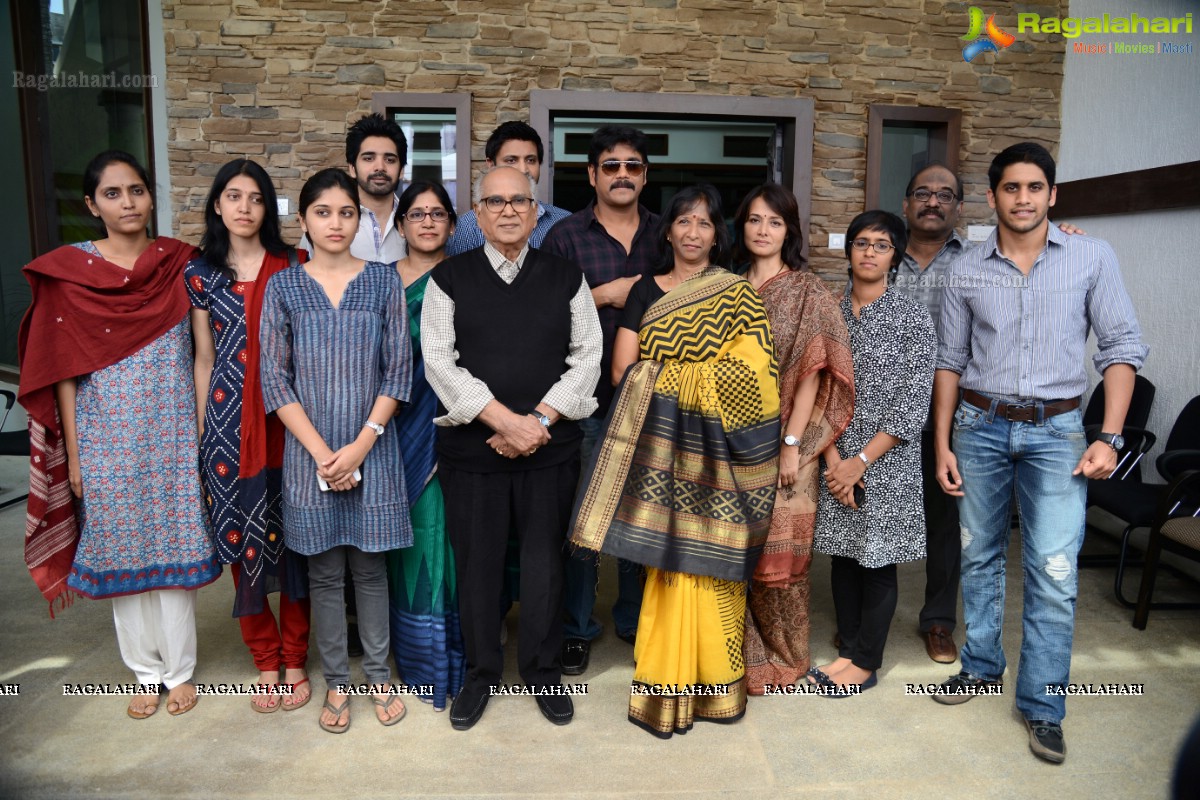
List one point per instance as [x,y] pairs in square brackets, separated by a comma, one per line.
[684,482]
[426,638]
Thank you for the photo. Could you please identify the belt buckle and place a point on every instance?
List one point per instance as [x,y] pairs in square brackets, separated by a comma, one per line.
[1018,408]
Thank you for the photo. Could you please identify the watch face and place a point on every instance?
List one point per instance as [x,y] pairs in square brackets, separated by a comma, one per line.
[791,441]
[1118,442]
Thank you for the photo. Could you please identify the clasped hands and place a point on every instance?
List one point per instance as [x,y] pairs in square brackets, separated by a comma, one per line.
[520,435]
[337,468]
[842,475]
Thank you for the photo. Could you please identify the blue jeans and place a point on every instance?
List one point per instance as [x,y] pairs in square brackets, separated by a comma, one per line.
[581,575]
[994,456]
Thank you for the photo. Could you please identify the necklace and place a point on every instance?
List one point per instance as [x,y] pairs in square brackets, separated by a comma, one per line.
[676,280]
[245,273]
[778,271]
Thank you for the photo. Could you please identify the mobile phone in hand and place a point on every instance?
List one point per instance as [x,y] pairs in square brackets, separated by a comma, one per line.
[860,496]
[323,485]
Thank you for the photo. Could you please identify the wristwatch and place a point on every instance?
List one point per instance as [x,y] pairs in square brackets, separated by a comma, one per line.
[542,418]
[1114,440]
[863,457]
[791,441]
[375,426]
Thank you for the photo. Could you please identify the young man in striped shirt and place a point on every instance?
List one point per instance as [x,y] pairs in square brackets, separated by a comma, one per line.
[1016,312]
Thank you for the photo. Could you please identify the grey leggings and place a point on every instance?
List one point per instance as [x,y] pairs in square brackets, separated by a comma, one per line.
[326,576]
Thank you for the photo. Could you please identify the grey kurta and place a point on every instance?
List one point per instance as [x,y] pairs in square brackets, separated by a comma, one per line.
[335,362]
[894,343]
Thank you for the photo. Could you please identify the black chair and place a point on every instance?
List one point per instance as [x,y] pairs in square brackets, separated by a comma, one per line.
[1135,502]
[1176,529]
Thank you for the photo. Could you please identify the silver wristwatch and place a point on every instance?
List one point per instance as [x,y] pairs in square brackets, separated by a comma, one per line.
[791,441]
[542,418]
[375,426]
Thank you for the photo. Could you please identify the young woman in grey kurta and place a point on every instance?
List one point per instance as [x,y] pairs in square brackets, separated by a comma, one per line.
[334,362]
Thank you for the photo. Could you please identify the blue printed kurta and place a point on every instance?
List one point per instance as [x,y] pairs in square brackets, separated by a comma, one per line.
[141,518]
[335,362]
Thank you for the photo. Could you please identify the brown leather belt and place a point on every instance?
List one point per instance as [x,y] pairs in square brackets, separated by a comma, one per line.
[1020,412]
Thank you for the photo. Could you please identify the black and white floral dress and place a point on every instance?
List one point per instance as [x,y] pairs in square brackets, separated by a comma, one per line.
[894,342]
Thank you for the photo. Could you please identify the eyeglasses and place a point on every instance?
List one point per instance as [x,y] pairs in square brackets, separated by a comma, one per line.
[416,215]
[945,196]
[612,167]
[496,203]
[878,247]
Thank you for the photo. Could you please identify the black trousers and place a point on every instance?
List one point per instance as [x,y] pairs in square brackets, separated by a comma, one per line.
[943,543]
[481,509]
[864,601]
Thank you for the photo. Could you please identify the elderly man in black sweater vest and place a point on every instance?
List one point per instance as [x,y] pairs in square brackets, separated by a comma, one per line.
[512,348]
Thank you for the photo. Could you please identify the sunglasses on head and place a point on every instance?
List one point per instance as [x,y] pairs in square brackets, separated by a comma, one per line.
[613,167]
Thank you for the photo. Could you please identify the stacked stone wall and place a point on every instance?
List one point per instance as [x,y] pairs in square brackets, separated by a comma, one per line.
[280,80]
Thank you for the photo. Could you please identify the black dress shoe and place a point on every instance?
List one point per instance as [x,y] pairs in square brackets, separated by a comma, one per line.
[575,654]
[557,708]
[628,638]
[468,707]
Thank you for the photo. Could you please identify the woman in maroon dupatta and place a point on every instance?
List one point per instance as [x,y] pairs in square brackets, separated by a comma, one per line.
[115,507]
[816,391]
[241,448]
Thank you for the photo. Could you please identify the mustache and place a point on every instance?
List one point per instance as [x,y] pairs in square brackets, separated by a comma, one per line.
[932,212]
[375,175]
[623,183]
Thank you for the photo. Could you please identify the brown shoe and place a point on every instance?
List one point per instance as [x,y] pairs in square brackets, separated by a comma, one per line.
[939,644]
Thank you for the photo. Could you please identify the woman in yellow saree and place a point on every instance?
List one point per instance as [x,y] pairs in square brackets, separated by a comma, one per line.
[684,481]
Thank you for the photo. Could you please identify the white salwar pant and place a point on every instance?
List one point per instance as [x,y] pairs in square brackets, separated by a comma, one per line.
[157,634]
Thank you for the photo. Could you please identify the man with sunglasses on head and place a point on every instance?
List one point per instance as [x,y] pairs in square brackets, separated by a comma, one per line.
[611,241]
[512,349]
[513,144]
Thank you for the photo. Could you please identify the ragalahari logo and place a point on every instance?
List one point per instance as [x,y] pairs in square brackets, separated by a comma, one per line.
[996,39]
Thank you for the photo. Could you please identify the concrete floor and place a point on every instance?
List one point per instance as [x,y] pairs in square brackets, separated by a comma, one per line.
[883,744]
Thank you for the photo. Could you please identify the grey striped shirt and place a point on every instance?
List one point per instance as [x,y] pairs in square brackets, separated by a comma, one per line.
[1022,337]
[925,285]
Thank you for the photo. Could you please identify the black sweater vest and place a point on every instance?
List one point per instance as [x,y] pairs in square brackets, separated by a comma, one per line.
[515,338]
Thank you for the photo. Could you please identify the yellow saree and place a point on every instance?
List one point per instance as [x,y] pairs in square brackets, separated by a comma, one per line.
[684,482]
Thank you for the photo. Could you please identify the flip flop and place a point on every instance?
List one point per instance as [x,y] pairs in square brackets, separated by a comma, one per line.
[143,714]
[337,710]
[179,708]
[271,690]
[384,705]
[302,703]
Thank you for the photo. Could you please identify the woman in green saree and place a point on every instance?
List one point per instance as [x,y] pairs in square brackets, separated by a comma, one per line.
[426,639]
[684,481]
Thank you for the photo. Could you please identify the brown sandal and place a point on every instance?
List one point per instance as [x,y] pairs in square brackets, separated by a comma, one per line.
[150,709]
[180,708]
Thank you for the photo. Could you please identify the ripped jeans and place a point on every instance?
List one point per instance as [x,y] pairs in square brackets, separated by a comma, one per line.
[994,456]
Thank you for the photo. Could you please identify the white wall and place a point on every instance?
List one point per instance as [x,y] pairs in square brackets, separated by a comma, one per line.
[1129,112]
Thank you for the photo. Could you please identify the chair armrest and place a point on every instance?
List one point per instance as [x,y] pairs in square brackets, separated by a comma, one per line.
[1174,462]
[1183,487]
